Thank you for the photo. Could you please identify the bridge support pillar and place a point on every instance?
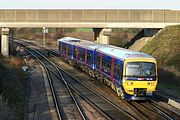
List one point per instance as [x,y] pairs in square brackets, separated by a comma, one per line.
[5,42]
[102,35]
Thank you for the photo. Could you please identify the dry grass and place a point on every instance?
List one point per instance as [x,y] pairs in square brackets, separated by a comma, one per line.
[17,61]
[166,47]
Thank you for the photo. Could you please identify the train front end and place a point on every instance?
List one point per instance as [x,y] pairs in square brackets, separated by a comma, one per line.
[139,78]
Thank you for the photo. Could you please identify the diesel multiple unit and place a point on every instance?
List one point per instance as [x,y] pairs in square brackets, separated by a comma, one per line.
[133,75]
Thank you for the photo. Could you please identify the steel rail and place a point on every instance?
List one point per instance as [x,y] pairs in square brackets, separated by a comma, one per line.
[51,87]
[64,81]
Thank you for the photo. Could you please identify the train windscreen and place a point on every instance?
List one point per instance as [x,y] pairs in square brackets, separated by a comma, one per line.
[140,69]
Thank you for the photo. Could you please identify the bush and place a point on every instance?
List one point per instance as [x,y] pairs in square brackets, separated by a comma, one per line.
[12,89]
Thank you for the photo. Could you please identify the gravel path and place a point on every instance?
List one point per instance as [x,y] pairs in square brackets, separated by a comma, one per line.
[38,102]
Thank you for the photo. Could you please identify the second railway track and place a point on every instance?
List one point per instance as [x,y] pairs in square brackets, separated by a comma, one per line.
[106,107]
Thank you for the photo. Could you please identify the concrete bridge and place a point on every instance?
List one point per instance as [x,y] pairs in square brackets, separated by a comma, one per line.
[89,18]
[100,20]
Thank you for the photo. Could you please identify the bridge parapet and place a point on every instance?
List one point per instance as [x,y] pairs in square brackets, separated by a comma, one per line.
[101,18]
[89,15]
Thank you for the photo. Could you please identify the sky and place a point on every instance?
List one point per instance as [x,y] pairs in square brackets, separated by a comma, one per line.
[90,4]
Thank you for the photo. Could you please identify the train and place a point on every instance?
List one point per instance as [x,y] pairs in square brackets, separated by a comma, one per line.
[132,75]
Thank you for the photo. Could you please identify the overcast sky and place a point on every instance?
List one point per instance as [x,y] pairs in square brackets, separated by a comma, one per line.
[90,4]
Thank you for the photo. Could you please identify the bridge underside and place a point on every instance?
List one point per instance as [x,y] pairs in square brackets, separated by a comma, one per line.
[85,24]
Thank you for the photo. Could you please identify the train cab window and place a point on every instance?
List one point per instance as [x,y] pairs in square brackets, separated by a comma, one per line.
[140,69]
[148,69]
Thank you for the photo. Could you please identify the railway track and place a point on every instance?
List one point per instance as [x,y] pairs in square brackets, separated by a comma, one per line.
[149,113]
[65,104]
[172,114]
[104,106]
[145,110]
[154,110]
[149,109]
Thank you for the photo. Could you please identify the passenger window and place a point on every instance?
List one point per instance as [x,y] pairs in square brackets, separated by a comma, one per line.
[64,49]
[88,58]
[81,56]
[98,62]
[117,70]
[106,65]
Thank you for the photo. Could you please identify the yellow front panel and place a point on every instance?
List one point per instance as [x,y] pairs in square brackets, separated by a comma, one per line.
[129,85]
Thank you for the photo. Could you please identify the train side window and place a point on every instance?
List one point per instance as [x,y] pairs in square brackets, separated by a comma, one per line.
[81,56]
[60,46]
[106,64]
[76,52]
[98,62]
[64,49]
[88,58]
[69,50]
[117,70]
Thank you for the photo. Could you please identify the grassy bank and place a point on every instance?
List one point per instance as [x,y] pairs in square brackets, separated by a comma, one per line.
[165,47]
[12,89]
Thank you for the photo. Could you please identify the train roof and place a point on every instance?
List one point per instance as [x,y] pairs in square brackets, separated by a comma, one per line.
[81,43]
[122,53]
[69,39]
[110,50]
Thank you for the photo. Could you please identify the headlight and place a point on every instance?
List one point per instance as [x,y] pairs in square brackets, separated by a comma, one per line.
[129,83]
[150,83]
